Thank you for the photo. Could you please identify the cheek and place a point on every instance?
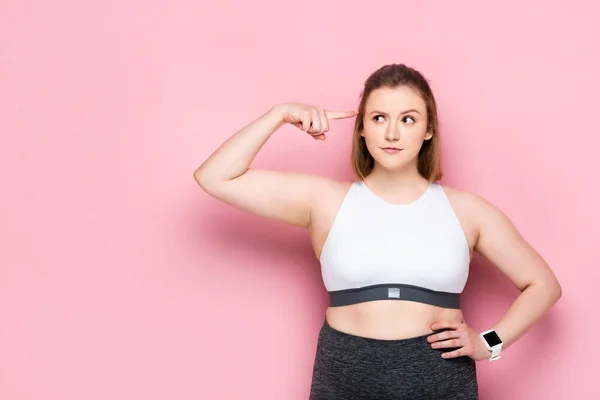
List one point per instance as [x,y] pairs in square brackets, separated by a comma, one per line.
[415,134]
[371,138]
[373,132]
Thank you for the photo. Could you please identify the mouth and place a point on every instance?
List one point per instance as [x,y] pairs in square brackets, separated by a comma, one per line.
[391,150]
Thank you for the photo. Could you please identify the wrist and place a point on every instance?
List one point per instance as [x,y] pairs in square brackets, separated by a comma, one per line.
[493,343]
[278,112]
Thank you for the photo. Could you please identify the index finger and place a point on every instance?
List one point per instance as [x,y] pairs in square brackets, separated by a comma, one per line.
[445,325]
[340,114]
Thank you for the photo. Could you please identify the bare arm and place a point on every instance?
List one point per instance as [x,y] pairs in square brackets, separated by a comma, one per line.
[501,243]
[287,197]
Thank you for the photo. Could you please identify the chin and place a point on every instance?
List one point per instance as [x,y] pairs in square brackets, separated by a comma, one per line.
[391,166]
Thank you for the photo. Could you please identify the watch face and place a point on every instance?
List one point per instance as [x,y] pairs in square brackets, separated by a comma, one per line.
[492,338]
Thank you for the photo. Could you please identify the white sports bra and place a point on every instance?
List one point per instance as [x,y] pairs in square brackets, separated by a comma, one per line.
[377,250]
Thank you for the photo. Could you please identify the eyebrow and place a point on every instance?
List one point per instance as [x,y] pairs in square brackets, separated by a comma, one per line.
[402,113]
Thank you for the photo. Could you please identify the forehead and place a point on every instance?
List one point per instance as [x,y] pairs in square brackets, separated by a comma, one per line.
[398,98]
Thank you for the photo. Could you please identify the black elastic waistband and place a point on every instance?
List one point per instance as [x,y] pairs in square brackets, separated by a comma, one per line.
[394,291]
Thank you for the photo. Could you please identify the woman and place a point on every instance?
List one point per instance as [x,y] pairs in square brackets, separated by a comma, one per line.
[394,245]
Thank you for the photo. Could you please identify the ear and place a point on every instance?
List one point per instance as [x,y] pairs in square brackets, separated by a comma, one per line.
[428,135]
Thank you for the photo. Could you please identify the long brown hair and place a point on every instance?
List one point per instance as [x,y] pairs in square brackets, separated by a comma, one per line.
[392,76]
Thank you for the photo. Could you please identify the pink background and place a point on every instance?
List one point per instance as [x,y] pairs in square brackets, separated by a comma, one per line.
[121,279]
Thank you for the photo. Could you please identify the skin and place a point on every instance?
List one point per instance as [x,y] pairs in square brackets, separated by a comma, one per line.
[394,117]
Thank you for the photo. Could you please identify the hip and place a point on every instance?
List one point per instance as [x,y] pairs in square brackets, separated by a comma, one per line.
[350,366]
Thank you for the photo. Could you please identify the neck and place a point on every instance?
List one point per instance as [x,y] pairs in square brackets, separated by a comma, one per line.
[397,180]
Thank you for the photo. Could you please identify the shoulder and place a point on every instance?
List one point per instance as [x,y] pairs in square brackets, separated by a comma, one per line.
[325,187]
[336,185]
[328,193]
[469,201]
[317,186]
[487,218]
[334,194]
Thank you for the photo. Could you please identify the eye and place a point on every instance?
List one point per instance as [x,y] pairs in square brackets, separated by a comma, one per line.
[376,117]
[412,120]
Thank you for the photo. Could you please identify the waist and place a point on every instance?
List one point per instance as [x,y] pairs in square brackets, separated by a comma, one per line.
[394,292]
[389,319]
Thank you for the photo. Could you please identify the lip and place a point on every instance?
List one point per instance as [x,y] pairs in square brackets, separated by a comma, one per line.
[391,150]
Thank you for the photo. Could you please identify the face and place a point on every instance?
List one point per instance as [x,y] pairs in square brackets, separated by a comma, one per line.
[395,126]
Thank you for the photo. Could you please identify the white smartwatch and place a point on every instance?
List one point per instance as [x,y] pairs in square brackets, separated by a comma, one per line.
[493,343]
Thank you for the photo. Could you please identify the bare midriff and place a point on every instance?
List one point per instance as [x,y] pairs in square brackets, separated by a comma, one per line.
[389,319]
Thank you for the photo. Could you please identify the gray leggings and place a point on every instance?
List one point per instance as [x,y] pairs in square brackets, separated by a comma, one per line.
[351,367]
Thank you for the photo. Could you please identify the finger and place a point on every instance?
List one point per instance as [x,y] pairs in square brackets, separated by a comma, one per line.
[306,120]
[451,334]
[340,114]
[324,121]
[456,353]
[450,343]
[445,325]
[315,122]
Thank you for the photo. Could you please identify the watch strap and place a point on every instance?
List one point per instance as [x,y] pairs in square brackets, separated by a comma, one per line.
[496,352]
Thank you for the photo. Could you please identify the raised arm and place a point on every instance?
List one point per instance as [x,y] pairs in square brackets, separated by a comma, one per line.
[288,197]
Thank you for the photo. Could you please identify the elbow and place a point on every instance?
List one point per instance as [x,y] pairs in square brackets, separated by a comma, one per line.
[550,290]
[553,291]
[199,176]
[204,179]
[556,291]
[210,182]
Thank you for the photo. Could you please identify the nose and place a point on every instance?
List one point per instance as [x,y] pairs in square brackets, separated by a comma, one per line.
[393,132]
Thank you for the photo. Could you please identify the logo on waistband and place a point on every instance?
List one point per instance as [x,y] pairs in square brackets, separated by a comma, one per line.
[394,293]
